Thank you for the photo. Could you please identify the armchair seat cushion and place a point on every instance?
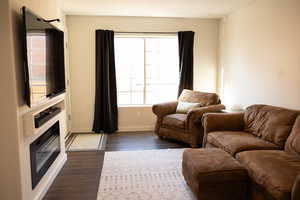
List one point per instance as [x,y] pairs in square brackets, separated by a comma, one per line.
[237,141]
[177,120]
[276,171]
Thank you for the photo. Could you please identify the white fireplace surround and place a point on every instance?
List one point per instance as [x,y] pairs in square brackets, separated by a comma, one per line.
[31,134]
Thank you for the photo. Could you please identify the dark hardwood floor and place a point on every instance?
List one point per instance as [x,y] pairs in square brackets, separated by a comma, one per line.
[79,178]
[139,141]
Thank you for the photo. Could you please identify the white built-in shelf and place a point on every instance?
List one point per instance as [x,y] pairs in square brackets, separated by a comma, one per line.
[28,116]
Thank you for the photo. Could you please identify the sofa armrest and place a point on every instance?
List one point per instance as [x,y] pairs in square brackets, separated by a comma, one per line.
[222,122]
[296,189]
[162,109]
[195,114]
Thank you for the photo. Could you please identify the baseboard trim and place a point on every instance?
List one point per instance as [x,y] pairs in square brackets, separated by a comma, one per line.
[122,129]
[136,128]
[49,182]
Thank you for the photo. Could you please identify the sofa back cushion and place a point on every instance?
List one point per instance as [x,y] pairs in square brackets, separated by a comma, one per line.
[204,98]
[293,142]
[270,123]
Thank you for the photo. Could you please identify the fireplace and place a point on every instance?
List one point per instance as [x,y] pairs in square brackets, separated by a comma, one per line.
[43,152]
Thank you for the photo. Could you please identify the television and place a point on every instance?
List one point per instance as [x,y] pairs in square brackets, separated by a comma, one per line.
[44,65]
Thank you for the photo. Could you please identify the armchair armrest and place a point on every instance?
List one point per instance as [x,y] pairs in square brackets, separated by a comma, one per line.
[296,189]
[222,122]
[163,109]
[196,113]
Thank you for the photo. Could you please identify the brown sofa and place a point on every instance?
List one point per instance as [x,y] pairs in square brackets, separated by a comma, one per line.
[182,127]
[266,141]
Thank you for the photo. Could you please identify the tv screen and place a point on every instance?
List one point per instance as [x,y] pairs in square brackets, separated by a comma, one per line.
[44,59]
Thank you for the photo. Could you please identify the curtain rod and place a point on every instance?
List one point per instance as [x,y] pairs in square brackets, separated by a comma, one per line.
[147,32]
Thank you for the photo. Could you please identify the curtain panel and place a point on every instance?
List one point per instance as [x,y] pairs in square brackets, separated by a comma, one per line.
[186,60]
[106,107]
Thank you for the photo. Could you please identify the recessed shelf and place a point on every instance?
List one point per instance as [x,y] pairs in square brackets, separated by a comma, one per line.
[38,119]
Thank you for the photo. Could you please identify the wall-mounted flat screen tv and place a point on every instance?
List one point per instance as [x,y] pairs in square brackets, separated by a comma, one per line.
[44,66]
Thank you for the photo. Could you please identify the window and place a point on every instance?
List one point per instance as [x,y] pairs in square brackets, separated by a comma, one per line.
[147,69]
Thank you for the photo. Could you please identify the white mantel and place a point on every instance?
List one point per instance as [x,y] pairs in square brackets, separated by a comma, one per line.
[30,133]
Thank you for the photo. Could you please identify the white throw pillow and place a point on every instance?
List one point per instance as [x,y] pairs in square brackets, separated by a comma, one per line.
[184,107]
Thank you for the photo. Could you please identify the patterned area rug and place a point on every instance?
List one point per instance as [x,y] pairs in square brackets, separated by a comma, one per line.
[143,175]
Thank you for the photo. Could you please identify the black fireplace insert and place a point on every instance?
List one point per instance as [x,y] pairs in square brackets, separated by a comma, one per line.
[43,152]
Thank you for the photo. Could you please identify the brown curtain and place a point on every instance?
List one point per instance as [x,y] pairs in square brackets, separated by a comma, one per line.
[186,60]
[106,108]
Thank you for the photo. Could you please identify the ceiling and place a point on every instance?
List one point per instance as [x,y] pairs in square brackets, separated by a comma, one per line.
[154,8]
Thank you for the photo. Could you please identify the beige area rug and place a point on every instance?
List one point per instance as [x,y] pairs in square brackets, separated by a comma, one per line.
[143,175]
[87,142]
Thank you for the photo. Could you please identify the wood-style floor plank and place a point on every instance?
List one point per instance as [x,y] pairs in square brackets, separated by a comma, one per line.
[79,178]
[139,141]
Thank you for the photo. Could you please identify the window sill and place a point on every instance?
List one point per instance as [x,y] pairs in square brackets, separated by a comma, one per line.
[135,106]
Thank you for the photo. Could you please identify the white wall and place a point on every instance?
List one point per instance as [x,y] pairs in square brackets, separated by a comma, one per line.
[15,177]
[82,63]
[260,54]
[10,175]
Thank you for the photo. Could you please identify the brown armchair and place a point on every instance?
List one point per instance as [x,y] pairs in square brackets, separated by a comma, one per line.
[181,126]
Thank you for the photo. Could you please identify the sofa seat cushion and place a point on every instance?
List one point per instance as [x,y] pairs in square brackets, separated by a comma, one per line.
[237,141]
[275,171]
[177,120]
